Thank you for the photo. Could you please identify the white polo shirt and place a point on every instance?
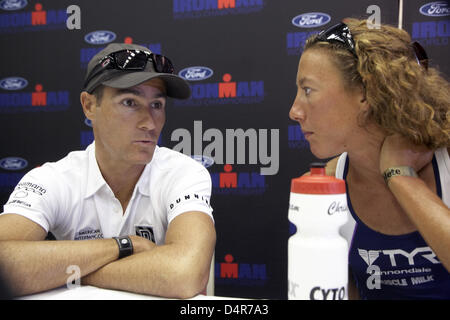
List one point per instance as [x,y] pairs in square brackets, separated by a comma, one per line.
[71,199]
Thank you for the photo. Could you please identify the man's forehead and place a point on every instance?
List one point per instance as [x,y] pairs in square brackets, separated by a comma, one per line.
[157,83]
[143,88]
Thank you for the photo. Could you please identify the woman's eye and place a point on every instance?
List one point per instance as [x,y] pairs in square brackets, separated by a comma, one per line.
[307,90]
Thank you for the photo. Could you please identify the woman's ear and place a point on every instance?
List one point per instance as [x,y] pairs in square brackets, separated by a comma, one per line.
[364,104]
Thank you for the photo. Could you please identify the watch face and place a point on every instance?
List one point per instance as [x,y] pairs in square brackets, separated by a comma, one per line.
[125,246]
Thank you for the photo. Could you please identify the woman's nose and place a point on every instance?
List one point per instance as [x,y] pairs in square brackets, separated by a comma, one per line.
[297,113]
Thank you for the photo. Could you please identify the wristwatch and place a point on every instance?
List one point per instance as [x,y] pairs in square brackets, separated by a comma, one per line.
[125,246]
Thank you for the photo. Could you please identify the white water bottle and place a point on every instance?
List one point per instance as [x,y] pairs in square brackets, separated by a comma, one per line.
[317,254]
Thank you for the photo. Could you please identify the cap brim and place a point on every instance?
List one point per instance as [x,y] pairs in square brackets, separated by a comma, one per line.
[176,86]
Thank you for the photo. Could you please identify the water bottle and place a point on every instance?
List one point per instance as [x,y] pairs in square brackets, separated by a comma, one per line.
[317,254]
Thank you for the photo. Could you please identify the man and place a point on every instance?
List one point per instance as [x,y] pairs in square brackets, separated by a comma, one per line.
[142,211]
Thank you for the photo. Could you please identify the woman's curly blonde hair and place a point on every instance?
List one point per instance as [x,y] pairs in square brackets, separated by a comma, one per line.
[404,98]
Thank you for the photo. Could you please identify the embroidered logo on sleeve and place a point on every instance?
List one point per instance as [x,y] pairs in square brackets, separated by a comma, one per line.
[25,187]
[24,193]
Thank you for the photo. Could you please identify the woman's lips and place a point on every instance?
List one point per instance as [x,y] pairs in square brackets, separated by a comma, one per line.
[307,134]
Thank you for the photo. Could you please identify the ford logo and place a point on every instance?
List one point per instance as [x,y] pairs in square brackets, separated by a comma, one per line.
[311,20]
[100,37]
[13,163]
[435,9]
[196,73]
[204,160]
[11,5]
[13,83]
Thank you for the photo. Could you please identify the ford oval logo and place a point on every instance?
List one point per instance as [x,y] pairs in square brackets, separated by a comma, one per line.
[435,9]
[196,73]
[11,5]
[204,160]
[311,20]
[13,163]
[13,83]
[100,37]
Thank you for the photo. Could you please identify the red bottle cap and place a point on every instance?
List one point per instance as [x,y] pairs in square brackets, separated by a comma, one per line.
[317,182]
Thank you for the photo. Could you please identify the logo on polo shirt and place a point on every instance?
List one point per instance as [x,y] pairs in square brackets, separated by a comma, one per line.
[88,233]
[145,232]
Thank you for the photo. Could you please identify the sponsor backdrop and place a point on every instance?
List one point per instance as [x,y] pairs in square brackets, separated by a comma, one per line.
[240,57]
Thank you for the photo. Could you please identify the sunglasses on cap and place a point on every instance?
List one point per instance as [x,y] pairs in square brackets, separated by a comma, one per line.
[340,33]
[131,60]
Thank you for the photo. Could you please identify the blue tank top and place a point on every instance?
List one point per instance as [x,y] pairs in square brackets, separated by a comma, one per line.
[396,267]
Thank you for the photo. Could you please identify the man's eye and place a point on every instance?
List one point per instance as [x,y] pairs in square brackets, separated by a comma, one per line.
[129,102]
[307,90]
[157,105]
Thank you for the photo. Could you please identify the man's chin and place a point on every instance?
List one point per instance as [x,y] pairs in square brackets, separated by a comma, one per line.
[143,157]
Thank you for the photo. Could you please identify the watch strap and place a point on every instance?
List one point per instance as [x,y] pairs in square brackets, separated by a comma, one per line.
[125,246]
[398,171]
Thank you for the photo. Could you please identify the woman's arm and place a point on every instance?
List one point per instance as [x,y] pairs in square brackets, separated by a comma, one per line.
[425,209]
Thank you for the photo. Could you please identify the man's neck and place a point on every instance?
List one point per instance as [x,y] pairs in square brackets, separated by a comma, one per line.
[121,178]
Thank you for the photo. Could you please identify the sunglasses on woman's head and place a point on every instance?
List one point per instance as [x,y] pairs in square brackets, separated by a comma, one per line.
[340,33]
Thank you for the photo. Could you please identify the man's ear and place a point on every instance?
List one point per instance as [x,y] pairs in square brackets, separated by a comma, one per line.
[89,103]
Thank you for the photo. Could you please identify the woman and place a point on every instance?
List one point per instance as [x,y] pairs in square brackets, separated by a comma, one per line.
[368,96]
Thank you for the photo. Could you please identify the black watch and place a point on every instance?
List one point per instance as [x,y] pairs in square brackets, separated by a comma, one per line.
[125,246]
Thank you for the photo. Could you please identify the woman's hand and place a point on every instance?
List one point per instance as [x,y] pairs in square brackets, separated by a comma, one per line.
[398,151]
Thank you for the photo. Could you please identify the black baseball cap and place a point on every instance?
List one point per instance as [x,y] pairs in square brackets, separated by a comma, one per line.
[176,86]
